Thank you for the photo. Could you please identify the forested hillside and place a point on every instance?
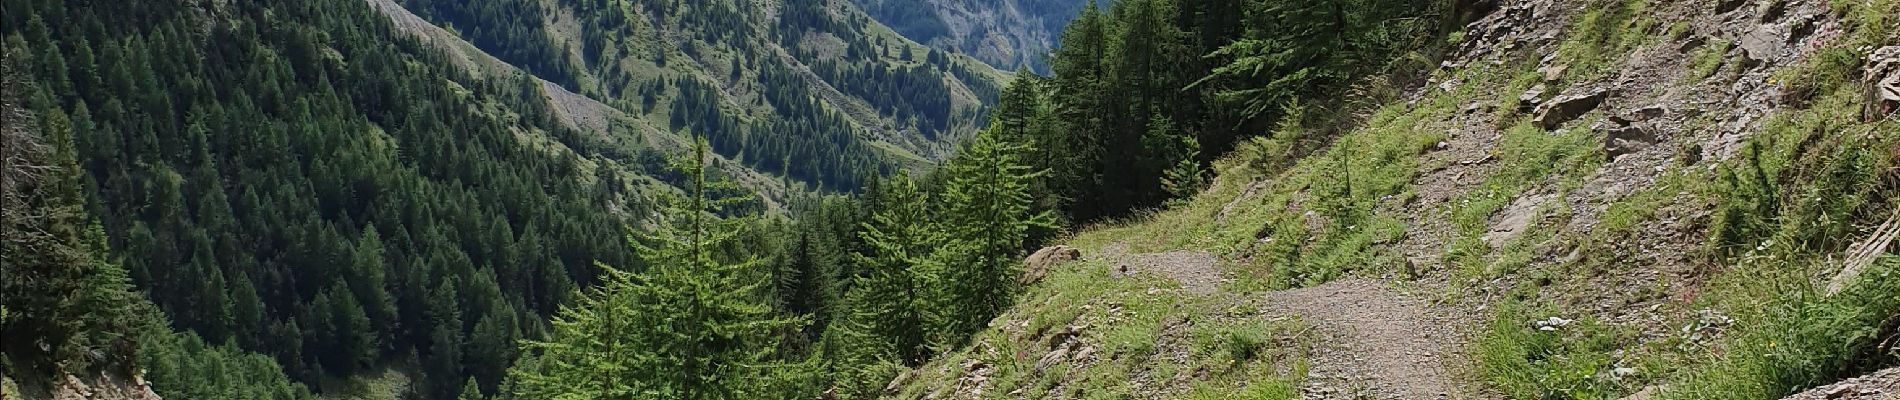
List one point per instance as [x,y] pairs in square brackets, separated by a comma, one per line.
[308,181]
[1009,34]
[294,179]
[869,291]
[810,89]
[69,309]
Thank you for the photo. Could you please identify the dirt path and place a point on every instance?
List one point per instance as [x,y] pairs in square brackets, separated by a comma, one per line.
[1197,271]
[1379,344]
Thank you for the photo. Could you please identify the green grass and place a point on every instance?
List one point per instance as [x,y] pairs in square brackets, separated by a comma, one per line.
[1606,32]
[1706,61]
[1251,358]
[1260,388]
[1621,216]
[1527,157]
[385,384]
[1799,194]
[1522,81]
[1125,325]
[1570,362]
[1231,351]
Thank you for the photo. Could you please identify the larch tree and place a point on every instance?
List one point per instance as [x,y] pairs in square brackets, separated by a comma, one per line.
[690,326]
[987,207]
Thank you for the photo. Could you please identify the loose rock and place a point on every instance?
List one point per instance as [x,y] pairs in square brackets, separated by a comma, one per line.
[1567,108]
[1883,83]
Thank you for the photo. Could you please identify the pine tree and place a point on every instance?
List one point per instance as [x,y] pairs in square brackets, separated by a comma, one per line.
[491,347]
[987,208]
[1173,158]
[470,391]
[367,283]
[691,326]
[59,285]
[891,302]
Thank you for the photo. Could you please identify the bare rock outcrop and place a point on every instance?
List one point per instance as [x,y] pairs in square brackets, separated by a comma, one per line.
[104,387]
[1882,385]
[1629,134]
[1883,83]
[1038,264]
[1568,108]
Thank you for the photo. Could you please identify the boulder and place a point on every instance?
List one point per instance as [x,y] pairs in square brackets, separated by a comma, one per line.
[1761,45]
[1051,358]
[1528,101]
[895,385]
[1773,11]
[1061,338]
[1883,83]
[1567,108]
[1691,44]
[1037,265]
[1554,73]
[1627,139]
[1648,113]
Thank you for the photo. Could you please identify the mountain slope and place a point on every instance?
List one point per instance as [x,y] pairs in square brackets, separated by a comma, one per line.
[1588,200]
[810,89]
[617,132]
[1008,34]
[301,179]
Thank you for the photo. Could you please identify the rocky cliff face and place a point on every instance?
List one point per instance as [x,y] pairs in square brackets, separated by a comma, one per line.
[1007,34]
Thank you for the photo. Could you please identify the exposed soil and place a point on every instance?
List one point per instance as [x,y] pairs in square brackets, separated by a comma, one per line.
[1198,272]
[1377,343]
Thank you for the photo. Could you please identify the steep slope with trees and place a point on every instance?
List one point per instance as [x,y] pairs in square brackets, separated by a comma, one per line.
[1258,199]
[70,315]
[295,179]
[809,89]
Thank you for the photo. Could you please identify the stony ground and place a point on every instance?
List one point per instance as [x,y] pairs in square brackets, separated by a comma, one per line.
[1378,344]
[1375,343]
[1883,385]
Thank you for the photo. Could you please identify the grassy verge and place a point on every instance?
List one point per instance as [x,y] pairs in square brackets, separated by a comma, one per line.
[1311,220]
[1799,194]
[1142,334]
[1528,355]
